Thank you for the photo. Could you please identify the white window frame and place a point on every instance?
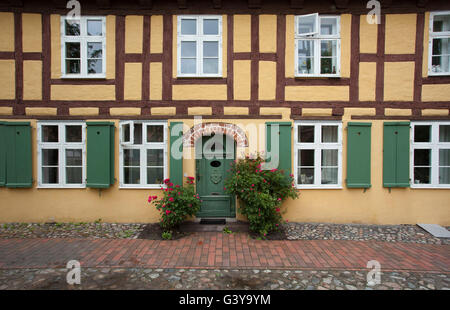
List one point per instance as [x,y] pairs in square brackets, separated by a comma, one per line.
[434,145]
[143,153]
[83,39]
[317,146]
[61,145]
[199,39]
[436,35]
[316,37]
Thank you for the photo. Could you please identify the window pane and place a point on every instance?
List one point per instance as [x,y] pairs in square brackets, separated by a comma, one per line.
[155,175]
[155,133]
[306,158]
[422,133]
[72,28]
[306,134]
[306,65]
[50,133]
[131,158]
[422,157]
[441,23]
[188,49]
[73,133]
[422,175]
[95,66]
[74,175]
[444,157]
[50,175]
[72,50]
[211,65]
[94,27]
[328,25]
[330,134]
[211,49]
[50,157]
[441,52]
[72,66]
[126,133]
[329,157]
[94,49]
[444,133]
[305,48]
[211,26]
[444,175]
[73,157]
[307,24]
[155,157]
[137,133]
[305,56]
[188,65]
[329,176]
[132,175]
[328,65]
[188,26]
[305,176]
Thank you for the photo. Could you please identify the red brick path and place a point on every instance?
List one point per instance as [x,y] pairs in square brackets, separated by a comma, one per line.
[218,250]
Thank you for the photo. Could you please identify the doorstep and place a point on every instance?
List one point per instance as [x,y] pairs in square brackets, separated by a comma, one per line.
[202,226]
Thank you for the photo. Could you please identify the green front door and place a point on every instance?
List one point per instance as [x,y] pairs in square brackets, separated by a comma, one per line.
[212,164]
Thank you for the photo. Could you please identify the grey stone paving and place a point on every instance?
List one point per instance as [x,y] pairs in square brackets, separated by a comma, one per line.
[204,279]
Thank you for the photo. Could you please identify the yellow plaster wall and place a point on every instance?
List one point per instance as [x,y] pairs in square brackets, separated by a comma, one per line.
[359,111]
[163,111]
[31,32]
[155,81]
[133,81]
[317,93]
[398,81]
[32,80]
[435,92]
[235,110]
[7,33]
[7,79]
[83,92]
[41,111]
[346,38]
[6,110]
[134,25]
[242,33]
[367,81]
[200,111]
[268,33]
[267,80]
[55,46]
[110,47]
[435,112]
[400,33]
[316,112]
[290,47]
[242,79]
[83,111]
[368,34]
[199,92]
[125,111]
[425,44]
[397,112]
[156,34]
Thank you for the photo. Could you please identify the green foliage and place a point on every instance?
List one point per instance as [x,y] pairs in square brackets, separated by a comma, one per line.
[261,193]
[177,203]
[226,230]
[166,235]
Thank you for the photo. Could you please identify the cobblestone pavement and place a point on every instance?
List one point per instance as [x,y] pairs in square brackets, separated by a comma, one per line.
[293,231]
[225,279]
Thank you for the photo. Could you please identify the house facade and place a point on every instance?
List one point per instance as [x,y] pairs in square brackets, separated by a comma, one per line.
[97,109]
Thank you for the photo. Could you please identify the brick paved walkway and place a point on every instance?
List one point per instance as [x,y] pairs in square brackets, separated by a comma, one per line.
[218,250]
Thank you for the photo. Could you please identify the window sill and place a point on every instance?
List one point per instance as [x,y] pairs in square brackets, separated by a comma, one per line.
[314,76]
[434,74]
[318,187]
[142,187]
[74,77]
[428,186]
[60,187]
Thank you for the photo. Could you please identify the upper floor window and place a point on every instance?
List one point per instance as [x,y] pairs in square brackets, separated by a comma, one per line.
[83,46]
[199,46]
[61,154]
[317,45]
[439,44]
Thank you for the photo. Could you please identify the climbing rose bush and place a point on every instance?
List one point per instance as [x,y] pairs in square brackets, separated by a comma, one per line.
[260,192]
[177,204]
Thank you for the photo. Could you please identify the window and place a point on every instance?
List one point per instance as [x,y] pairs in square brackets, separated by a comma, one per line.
[430,154]
[318,154]
[61,154]
[317,45]
[199,46]
[439,44]
[83,47]
[143,154]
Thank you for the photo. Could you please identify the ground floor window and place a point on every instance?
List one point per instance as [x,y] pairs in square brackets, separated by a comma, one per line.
[61,154]
[143,154]
[430,154]
[318,154]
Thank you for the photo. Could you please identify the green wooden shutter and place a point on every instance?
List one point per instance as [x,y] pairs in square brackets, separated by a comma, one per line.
[2,154]
[396,154]
[100,154]
[18,155]
[284,144]
[176,149]
[358,155]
